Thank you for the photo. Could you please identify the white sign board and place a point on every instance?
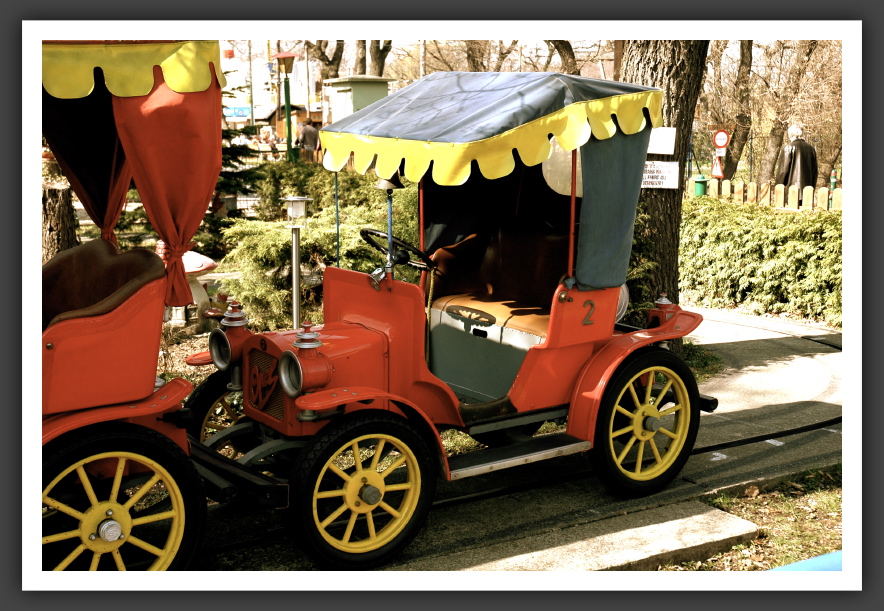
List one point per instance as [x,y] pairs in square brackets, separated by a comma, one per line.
[720,152]
[662,141]
[660,175]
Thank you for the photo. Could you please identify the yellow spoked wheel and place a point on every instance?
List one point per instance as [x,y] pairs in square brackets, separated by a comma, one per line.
[364,489]
[119,497]
[647,424]
[215,408]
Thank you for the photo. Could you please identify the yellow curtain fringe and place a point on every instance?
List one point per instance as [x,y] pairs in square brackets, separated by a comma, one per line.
[571,126]
[128,68]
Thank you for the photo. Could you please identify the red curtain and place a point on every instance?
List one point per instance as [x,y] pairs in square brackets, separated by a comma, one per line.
[82,136]
[173,147]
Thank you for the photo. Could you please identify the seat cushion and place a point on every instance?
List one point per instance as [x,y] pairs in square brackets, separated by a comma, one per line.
[94,278]
[505,314]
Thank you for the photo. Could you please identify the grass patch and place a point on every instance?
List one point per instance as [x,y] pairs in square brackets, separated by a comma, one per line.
[702,362]
[797,520]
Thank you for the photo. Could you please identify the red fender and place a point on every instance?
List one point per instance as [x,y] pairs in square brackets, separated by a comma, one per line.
[166,399]
[597,373]
[330,399]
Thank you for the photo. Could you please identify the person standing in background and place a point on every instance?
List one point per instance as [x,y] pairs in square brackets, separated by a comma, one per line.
[308,138]
[797,164]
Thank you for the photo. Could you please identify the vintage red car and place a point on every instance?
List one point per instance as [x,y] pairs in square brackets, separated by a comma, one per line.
[529,184]
[119,489]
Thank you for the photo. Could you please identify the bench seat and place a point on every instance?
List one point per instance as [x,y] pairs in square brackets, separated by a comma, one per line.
[102,325]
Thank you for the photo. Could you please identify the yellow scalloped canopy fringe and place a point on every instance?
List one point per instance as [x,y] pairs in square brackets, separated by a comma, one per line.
[571,126]
[128,68]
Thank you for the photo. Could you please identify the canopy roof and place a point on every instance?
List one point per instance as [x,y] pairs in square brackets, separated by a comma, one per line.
[187,66]
[450,119]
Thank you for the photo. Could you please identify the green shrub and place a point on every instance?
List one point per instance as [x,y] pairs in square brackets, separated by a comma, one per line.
[280,179]
[209,237]
[262,249]
[641,264]
[764,260]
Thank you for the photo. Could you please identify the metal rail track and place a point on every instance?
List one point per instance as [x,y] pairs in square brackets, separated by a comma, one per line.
[272,534]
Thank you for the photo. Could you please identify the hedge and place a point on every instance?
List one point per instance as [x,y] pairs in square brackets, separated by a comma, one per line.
[762,259]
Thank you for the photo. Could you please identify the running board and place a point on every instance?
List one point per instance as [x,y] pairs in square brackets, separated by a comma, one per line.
[522,419]
[535,449]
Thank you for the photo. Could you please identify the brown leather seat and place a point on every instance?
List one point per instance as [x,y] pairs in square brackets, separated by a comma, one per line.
[102,325]
[93,279]
[514,284]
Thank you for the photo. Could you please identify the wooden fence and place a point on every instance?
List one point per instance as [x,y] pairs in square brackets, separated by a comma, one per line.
[766,194]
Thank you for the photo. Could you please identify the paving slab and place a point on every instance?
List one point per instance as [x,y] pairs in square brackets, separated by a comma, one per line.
[641,541]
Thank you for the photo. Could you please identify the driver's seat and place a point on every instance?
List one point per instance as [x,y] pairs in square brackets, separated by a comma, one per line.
[102,324]
[512,287]
[503,311]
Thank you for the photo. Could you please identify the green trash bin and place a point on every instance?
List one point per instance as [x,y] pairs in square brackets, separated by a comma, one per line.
[700,185]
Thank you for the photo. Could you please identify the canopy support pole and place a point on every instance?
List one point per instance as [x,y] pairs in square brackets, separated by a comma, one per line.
[390,232]
[420,230]
[337,225]
[572,234]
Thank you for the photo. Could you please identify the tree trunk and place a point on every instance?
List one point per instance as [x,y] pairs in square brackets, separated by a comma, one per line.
[744,117]
[359,60]
[678,68]
[713,105]
[379,54]
[618,59]
[59,222]
[476,50]
[566,53]
[786,98]
[331,65]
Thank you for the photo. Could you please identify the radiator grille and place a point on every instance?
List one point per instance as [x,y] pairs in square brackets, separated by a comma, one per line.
[275,405]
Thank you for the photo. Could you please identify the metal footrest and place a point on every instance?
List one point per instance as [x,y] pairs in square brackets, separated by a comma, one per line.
[523,453]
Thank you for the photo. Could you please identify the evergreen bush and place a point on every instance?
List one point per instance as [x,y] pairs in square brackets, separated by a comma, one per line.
[262,249]
[764,260]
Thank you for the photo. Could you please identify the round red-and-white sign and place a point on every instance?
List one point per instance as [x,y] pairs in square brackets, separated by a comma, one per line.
[721,138]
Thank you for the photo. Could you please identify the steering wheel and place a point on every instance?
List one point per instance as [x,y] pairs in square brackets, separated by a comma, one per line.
[402,249]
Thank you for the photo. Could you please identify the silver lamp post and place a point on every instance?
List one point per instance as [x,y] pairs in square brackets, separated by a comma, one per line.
[297,209]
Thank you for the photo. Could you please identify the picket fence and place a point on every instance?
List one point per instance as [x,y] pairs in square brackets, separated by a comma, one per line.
[767,194]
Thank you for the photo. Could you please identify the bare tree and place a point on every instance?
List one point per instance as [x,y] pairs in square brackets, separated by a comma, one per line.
[678,68]
[379,54]
[566,53]
[330,64]
[785,100]
[503,52]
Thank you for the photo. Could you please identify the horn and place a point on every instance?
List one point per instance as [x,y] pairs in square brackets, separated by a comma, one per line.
[392,183]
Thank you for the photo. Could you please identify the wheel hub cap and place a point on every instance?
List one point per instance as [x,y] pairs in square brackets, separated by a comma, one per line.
[371,495]
[647,422]
[652,423]
[110,530]
[365,491]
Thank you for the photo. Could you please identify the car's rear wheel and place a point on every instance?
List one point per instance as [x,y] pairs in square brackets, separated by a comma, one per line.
[119,497]
[647,424]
